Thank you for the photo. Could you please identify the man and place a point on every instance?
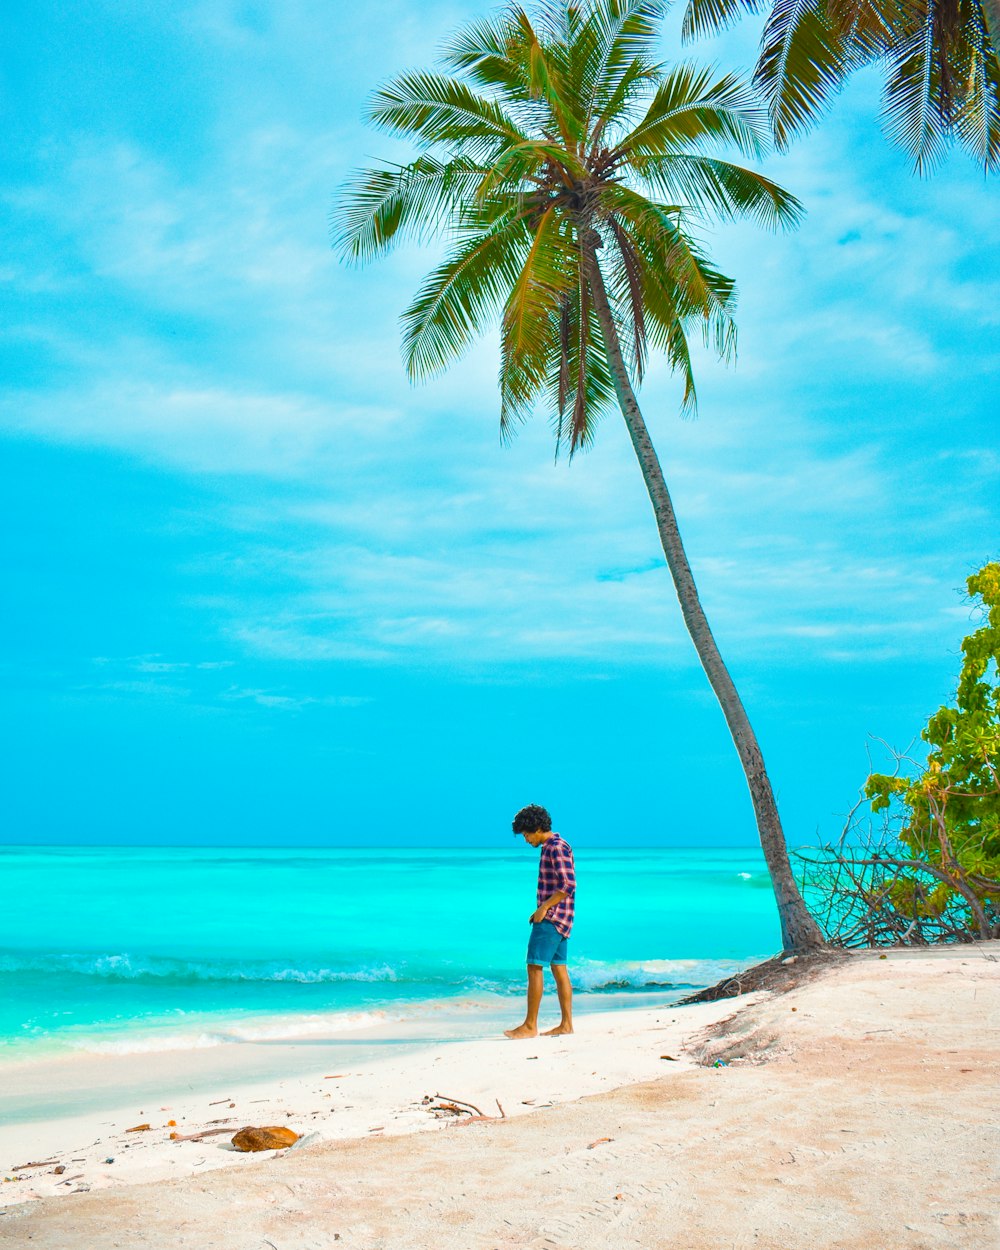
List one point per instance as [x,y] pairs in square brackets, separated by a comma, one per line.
[551,921]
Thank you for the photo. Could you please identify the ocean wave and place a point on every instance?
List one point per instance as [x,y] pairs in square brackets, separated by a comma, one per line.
[595,978]
[276,1029]
[153,969]
[588,976]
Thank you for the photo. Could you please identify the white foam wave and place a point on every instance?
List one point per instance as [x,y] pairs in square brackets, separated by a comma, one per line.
[277,1029]
[125,967]
[653,973]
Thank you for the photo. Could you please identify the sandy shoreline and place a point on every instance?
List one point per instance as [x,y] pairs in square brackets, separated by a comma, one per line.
[352,1097]
[859,1110]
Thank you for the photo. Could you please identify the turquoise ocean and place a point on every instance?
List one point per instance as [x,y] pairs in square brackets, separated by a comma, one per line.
[132,950]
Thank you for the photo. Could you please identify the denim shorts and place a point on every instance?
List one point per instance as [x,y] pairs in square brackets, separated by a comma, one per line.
[546,944]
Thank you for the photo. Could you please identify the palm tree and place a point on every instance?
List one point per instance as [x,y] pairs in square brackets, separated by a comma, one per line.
[939,59]
[564,166]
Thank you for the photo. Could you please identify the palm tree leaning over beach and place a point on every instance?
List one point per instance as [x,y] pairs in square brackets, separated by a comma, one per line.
[565,166]
[939,58]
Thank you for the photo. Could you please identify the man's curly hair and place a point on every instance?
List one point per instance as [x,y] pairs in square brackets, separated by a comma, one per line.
[531,818]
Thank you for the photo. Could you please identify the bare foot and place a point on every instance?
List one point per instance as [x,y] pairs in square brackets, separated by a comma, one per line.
[559,1031]
[520,1032]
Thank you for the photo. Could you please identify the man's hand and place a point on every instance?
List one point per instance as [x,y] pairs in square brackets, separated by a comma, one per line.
[538,915]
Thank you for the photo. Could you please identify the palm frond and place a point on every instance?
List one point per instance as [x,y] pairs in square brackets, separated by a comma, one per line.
[595,395]
[581,387]
[678,352]
[803,61]
[545,81]
[868,26]
[977,119]
[460,298]
[434,108]
[617,116]
[620,39]
[627,289]
[674,262]
[690,109]
[530,318]
[991,21]
[709,17]
[487,51]
[912,110]
[720,189]
[522,161]
[378,206]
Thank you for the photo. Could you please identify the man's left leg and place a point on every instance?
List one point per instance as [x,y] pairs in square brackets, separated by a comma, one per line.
[565,991]
[530,1026]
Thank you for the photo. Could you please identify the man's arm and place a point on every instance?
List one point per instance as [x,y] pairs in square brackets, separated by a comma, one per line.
[540,912]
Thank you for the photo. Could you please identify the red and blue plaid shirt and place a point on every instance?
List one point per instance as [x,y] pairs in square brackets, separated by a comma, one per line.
[556,871]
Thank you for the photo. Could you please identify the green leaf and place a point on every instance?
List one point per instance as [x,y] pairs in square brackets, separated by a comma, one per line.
[913,116]
[710,17]
[689,109]
[977,116]
[435,109]
[803,60]
[380,205]
[720,189]
[461,297]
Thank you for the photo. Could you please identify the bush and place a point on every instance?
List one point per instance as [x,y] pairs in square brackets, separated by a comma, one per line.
[931,870]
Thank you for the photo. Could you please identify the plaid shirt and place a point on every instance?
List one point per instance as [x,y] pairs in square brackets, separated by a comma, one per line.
[556,871]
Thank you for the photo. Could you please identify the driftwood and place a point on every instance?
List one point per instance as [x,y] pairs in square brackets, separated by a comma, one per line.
[459,1102]
[443,1105]
[207,1132]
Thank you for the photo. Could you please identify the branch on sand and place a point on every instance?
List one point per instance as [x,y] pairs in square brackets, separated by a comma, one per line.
[442,1105]
[776,976]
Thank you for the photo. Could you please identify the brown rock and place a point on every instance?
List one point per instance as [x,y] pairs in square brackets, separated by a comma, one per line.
[268,1138]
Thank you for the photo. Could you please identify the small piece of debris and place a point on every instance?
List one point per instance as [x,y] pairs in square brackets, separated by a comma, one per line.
[600,1142]
[138,1128]
[672,1058]
[270,1137]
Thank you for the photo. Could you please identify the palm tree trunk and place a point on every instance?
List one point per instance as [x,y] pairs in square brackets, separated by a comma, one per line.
[799,932]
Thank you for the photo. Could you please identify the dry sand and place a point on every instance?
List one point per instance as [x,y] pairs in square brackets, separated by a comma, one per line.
[859,1110]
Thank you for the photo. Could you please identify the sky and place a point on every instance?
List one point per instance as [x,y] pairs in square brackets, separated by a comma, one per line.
[260,590]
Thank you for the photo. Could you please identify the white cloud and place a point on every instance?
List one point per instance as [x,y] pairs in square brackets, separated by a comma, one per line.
[230,342]
[294,702]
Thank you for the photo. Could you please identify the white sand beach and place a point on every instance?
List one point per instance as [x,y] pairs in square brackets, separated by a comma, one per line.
[858,1111]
